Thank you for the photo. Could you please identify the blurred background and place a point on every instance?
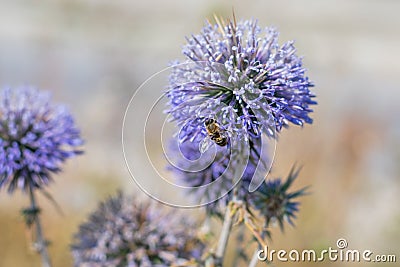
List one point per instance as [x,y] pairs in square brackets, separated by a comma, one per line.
[92,55]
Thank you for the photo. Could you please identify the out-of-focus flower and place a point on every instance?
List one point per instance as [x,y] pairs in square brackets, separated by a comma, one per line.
[35,138]
[274,201]
[123,232]
[214,175]
[238,75]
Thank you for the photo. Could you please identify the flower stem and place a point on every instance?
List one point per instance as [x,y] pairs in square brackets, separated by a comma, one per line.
[223,238]
[225,232]
[40,241]
[254,259]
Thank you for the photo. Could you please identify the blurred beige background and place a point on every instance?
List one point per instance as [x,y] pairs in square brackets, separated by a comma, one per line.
[93,55]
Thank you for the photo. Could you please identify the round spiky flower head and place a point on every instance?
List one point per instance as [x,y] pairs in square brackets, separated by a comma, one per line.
[123,232]
[35,138]
[274,201]
[238,75]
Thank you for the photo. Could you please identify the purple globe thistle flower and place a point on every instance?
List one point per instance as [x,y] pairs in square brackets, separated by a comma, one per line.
[238,75]
[275,203]
[123,232]
[35,138]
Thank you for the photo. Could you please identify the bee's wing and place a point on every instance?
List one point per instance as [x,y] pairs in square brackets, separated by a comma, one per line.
[225,132]
[205,144]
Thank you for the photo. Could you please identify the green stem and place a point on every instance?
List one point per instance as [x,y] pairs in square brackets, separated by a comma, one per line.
[40,241]
[223,238]
[225,231]
[254,259]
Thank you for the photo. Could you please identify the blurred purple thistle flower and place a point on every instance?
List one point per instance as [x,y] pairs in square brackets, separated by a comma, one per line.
[35,138]
[240,76]
[218,169]
[123,232]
